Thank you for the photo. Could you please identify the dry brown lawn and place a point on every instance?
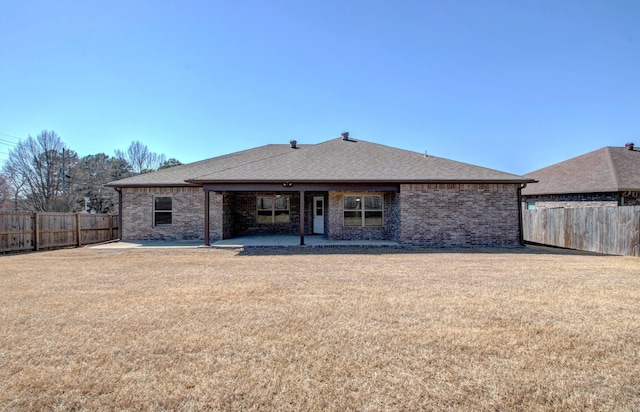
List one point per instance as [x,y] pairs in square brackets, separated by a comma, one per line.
[204,329]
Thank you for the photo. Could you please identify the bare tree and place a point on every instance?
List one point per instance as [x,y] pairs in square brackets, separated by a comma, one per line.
[40,169]
[16,184]
[141,159]
[5,193]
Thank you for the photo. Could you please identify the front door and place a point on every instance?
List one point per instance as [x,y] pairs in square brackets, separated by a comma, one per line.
[318,215]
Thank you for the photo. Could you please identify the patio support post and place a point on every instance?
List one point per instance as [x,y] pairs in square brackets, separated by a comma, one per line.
[302,218]
[206,217]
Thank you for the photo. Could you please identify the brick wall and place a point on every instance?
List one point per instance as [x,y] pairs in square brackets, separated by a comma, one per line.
[216,216]
[187,214]
[240,215]
[452,215]
[459,215]
[336,230]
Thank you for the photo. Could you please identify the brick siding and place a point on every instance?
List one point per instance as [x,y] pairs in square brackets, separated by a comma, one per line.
[216,216]
[240,215]
[433,215]
[187,213]
[336,230]
[459,215]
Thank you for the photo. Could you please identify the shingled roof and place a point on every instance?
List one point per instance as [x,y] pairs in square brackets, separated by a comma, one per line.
[609,169]
[336,160]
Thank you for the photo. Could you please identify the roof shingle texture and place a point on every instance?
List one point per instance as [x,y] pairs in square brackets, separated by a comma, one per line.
[609,169]
[335,160]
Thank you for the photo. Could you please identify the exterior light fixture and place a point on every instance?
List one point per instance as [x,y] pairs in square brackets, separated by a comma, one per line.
[287,184]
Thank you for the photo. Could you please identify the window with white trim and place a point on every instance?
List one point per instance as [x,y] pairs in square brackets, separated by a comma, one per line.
[363,210]
[162,210]
[274,209]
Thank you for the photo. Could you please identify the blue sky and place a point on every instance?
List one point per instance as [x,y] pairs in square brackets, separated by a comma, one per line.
[511,85]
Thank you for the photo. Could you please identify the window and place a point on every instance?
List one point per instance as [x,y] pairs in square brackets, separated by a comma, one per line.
[363,210]
[531,205]
[273,209]
[162,210]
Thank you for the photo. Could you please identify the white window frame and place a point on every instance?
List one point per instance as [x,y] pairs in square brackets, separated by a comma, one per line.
[156,211]
[362,209]
[273,209]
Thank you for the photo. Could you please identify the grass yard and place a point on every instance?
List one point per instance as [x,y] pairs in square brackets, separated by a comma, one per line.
[204,329]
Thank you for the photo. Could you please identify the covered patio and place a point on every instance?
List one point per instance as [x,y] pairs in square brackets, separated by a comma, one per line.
[245,211]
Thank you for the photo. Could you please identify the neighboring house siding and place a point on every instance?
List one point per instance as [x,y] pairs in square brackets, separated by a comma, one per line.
[632,200]
[572,200]
[187,213]
[584,200]
[459,215]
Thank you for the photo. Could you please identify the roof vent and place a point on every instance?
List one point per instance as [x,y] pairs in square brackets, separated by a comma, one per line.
[294,144]
[345,135]
[629,146]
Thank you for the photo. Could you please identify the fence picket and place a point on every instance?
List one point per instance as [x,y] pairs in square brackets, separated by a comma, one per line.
[35,231]
[610,230]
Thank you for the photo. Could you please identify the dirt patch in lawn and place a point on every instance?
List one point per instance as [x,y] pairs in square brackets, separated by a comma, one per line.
[198,329]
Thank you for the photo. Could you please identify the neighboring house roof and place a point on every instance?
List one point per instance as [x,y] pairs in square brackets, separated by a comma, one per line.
[335,160]
[609,169]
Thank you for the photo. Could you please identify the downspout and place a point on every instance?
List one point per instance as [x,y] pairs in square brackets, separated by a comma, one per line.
[119,190]
[520,228]
[207,241]
[302,218]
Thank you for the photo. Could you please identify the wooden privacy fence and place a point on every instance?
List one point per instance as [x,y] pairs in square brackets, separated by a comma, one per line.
[35,231]
[610,230]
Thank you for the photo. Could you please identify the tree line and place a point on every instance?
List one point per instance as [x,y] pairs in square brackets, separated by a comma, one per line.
[42,174]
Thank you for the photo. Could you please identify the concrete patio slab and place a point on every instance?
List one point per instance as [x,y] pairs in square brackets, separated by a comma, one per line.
[243,242]
[294,241]
[148,244]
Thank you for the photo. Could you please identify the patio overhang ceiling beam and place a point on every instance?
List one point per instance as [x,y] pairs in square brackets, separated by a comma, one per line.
[299,187]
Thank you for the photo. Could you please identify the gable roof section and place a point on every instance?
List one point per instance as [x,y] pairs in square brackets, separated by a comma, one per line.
[335,160]
[177,175]
[609,169]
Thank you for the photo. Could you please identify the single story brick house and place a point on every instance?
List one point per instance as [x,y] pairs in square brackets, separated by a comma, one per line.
[609,176]
[343,188]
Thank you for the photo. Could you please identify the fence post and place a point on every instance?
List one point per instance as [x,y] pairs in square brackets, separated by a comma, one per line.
[78,229]
[36,232]
[110,227]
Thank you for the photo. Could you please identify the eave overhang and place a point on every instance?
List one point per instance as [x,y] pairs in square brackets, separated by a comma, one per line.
[365,181]
[578,192]
[294,185]
[138,185]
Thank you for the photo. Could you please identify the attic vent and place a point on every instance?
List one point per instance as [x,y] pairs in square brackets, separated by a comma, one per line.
[629,146]
[294,144]
[345,135]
